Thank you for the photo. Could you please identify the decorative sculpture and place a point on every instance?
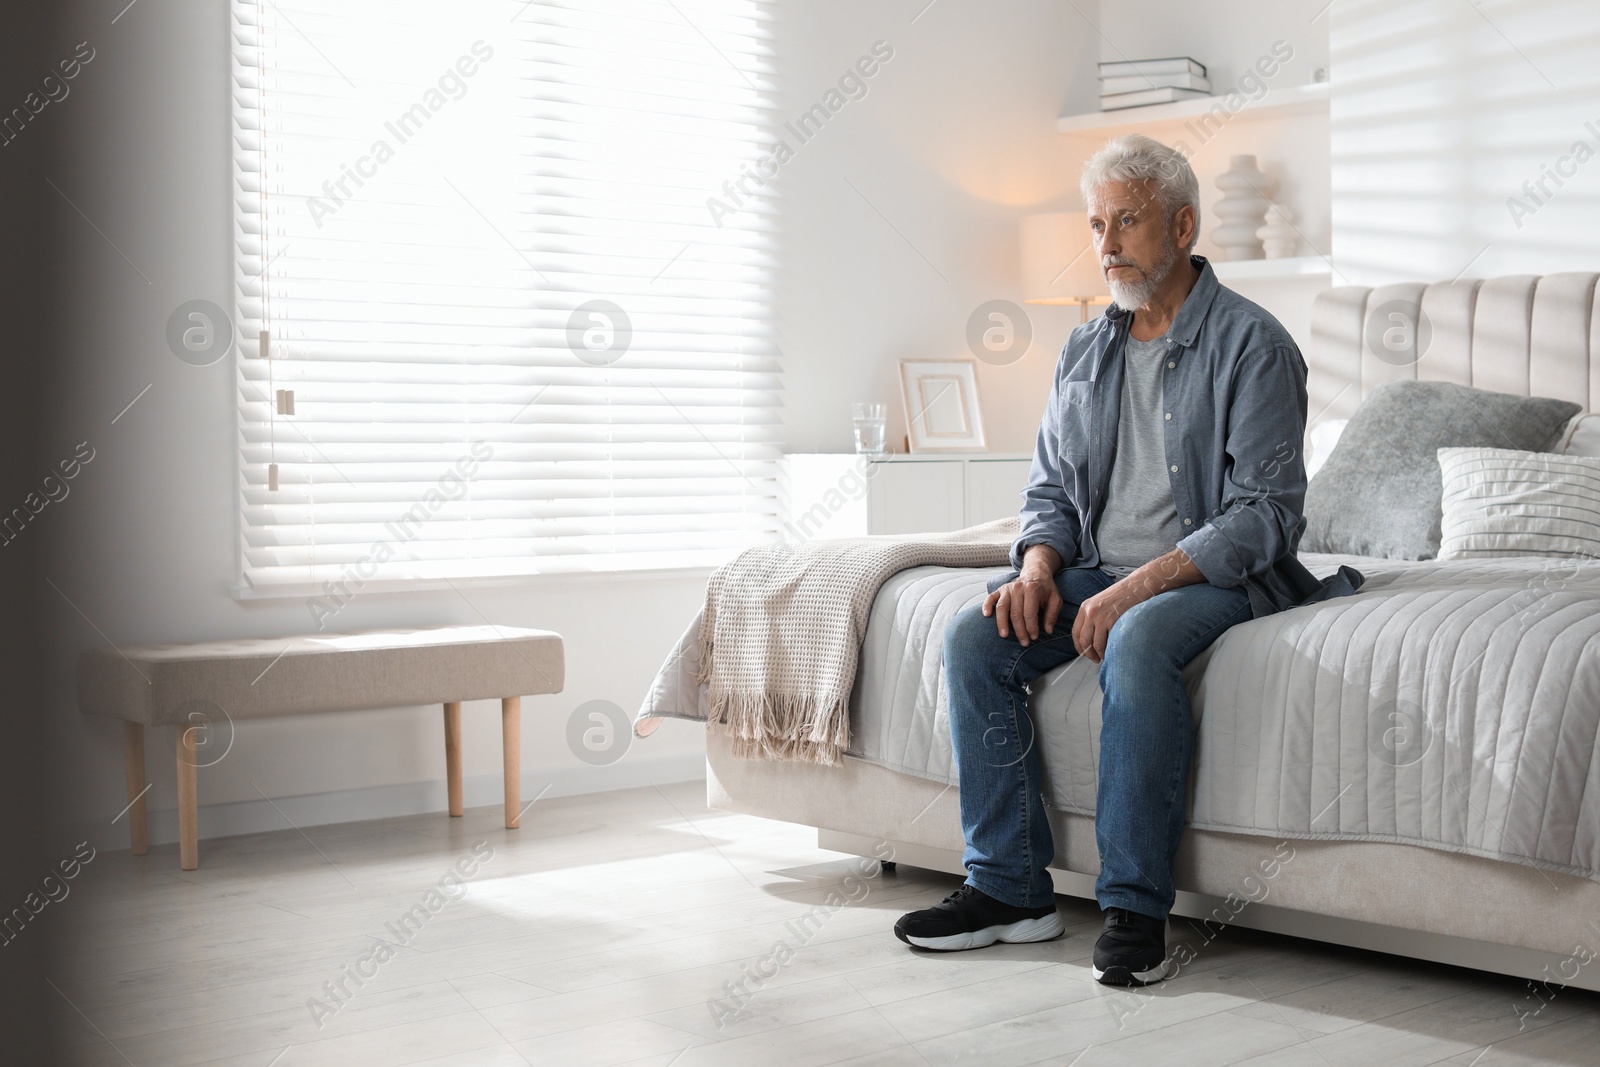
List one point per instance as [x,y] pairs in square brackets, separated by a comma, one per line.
[1243,208]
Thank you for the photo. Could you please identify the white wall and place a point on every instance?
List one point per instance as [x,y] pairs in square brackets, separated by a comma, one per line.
[1225,35]
[953,143]
[1442,111]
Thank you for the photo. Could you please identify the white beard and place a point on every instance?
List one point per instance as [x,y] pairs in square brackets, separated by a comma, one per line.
[1134,295]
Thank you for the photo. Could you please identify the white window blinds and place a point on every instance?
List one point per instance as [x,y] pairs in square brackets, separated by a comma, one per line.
[503,332]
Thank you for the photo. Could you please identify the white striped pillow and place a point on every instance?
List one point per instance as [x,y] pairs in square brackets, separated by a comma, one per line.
[1506,502]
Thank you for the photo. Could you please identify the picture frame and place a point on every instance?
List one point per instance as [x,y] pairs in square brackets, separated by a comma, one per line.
[943,413]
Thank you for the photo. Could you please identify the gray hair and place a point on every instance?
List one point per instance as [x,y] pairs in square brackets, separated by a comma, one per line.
[1136,157]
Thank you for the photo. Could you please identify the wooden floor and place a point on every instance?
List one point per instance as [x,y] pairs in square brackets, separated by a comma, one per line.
[617,929]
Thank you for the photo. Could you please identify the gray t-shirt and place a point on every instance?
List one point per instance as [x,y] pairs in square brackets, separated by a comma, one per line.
[1139,521]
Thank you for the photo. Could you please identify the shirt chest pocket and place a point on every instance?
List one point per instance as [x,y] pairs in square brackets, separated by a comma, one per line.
[1076,411]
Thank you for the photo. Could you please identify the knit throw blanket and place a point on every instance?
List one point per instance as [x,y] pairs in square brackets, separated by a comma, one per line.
[783,626]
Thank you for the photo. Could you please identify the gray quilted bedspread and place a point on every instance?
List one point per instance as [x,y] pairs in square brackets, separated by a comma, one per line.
[1448,705]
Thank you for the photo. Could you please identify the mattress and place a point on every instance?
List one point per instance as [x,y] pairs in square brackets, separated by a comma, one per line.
[1451,705]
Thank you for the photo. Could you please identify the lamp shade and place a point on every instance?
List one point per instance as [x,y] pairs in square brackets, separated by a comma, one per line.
[1059,264]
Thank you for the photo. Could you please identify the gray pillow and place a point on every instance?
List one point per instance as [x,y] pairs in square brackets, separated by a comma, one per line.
[1379,492]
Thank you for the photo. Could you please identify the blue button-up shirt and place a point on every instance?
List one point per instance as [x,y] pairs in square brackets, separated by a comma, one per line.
[1234,412]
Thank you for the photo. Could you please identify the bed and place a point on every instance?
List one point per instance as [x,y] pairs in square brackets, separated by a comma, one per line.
[1410,769]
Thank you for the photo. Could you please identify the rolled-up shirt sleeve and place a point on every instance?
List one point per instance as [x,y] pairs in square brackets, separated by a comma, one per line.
[1048,514]
[1264,476]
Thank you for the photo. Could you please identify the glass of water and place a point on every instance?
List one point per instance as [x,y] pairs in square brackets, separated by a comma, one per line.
[870,422]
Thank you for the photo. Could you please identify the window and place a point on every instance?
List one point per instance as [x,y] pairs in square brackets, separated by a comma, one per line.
[489,325]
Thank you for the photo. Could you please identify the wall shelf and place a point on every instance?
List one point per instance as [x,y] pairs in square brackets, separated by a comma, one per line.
[1294,267]
[1276,104]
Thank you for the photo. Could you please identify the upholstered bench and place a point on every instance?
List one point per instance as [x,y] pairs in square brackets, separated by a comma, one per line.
[188,686]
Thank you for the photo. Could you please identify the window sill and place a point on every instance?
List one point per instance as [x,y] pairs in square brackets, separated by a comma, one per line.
[398,586]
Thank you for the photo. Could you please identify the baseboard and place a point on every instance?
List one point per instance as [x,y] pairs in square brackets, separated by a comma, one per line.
[408,798]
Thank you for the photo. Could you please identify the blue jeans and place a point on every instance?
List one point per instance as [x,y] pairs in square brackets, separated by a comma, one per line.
[1146,736]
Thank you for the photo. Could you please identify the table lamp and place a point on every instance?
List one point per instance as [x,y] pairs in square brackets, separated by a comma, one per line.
[1059,264]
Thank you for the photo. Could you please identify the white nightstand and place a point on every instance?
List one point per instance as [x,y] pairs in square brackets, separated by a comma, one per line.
[844,495]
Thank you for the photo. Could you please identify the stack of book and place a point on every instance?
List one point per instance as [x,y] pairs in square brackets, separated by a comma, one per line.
[1138,82]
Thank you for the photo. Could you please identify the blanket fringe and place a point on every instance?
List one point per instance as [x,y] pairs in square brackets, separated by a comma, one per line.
[783,726]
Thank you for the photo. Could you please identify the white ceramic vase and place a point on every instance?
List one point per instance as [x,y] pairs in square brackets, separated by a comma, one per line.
[1242,209]
[1278,236]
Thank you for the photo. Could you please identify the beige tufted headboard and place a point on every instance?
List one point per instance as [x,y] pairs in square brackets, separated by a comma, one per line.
[1527,334]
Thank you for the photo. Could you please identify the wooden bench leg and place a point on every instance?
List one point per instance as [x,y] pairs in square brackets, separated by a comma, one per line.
[452,754]
[188,823]
[133,767]
[511,749]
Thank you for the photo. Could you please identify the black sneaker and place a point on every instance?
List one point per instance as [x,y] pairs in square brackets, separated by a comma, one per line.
[1132,949]
[970,918]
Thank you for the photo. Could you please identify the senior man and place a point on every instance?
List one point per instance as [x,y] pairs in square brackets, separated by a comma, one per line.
[1163,506]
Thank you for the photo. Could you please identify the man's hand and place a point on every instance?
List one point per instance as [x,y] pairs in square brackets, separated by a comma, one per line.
[1017,605]
[1091,628]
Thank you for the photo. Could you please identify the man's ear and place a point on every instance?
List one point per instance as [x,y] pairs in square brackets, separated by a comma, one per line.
[1183,226]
